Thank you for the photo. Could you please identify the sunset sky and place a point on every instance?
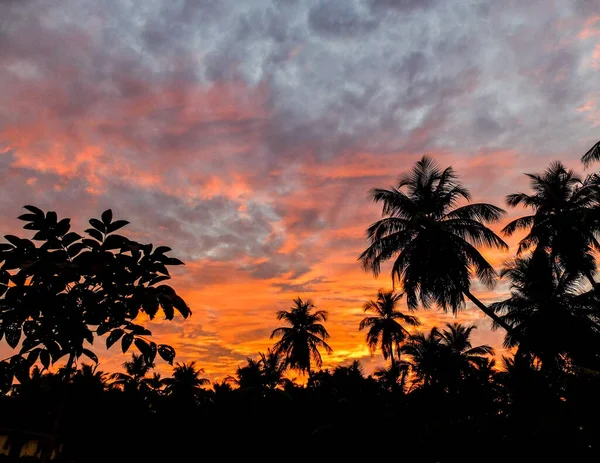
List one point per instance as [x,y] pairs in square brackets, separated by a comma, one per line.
[246,135]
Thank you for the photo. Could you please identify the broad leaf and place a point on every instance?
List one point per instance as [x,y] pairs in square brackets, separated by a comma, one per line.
[107,217]
[126,342]
[167,353]
[113,337]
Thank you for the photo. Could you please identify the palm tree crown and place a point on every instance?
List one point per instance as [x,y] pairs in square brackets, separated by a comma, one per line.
[185,382]
[443,358]
[385,330]
[547,307]
[433,241]
[300,341]
[565,219]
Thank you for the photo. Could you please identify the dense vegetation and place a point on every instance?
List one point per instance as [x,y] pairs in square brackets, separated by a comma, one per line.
[438,398]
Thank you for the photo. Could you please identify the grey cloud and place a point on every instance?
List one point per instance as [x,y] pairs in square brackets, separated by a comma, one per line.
[342,18]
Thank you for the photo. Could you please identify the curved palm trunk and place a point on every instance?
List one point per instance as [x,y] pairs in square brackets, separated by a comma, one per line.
[488,312]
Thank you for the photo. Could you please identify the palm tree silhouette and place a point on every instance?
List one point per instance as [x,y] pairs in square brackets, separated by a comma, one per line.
[565,219]
[426,357]
[432,241]
[136,370]
[394,377]
[545,300]
[185,383]
[299,342]
[273,367]
[443,358]
[385,330]
[457,338]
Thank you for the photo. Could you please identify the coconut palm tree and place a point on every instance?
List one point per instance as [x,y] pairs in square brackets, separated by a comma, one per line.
[273,368]
[136,370]
[249,376]
[427,360]
[299,342]
[385,329]
[564,222]
[457,338]
[185,383]
[394,377]
[432,240]
[545,300]
[444,358]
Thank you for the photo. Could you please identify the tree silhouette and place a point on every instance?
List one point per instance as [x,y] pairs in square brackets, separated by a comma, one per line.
[186,384]
[547,307]
[301,340]
[565,219]
[70,290]
[457,338]
[136,370]
[394,377]
[273,368]
[426,357]
[433,242]
[444,358]
[385,330]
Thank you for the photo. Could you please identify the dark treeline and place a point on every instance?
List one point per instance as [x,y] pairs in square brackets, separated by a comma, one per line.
[438,397]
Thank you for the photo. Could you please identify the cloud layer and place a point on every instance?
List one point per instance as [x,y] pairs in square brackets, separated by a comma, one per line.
[245,135]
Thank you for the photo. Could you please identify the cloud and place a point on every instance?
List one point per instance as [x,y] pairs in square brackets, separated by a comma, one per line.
[245,135]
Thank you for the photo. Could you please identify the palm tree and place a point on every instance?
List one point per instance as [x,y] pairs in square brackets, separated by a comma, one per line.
[185,383]
[299,342]
[136,370]
[457,338]
[273,368]
[393,378]
[385,330]
[155,383]
[249,376]
[564,222]
[443,358]
[432,241]
[592,155]
[546,300]
[89,379]
[426,357]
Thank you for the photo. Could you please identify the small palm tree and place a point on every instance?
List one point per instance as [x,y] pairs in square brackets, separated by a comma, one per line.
[432,241]
[273,368]
[249,376]
[444,358]
[427,361]
[136,370]
[385,330]
[457,338]
[394,377]
[300,341]
[185,383]
[564,222]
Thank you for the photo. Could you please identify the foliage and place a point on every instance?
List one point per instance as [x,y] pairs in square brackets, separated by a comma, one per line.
[61,291]
[431,239]
[300,341]
[385,329]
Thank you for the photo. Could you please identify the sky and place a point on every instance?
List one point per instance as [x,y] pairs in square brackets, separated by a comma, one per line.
[246,135]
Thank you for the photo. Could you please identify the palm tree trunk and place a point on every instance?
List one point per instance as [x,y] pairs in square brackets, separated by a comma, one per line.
[488,312]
